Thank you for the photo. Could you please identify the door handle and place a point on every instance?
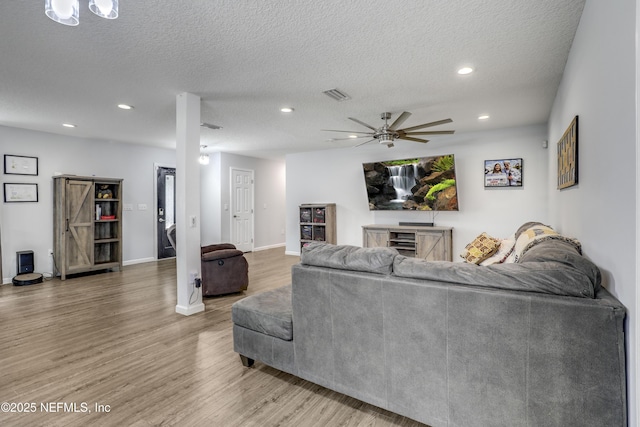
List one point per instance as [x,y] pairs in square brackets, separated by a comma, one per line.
[161,220]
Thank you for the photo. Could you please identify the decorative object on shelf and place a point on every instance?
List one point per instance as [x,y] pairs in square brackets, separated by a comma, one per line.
[67,12]
[317,223]
[388,133]
[568,156]
[20,192]
[503,173]
[423,184]
[20,165]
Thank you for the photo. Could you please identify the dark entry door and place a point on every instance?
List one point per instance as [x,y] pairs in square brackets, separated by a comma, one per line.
[166,205]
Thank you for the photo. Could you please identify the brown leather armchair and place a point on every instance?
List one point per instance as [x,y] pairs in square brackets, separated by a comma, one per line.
[225,270]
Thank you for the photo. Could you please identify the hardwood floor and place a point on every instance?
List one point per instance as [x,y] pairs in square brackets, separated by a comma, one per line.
[112,345]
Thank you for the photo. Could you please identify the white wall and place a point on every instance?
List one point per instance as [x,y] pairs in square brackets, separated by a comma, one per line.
[336,176]
[29,226]
[599,85]
[269,199]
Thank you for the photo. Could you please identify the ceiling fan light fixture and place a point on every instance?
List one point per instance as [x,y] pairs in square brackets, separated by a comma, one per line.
[107,9]
[65,12]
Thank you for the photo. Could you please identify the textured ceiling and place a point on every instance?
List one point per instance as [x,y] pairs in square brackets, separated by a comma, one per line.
[248,58]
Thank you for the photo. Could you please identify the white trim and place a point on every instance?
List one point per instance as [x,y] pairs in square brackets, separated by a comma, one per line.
[632,377]
[140,261]
[264,248]
[292,253]
[192,309]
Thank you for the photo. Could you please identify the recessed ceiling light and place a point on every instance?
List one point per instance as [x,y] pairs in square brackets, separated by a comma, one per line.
[286,109]
[68,125]
[353,136]
[125,107]
[483,117]
[465,70]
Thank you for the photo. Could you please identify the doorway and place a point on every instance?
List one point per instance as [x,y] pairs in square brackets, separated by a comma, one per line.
[166,209]
[242,209]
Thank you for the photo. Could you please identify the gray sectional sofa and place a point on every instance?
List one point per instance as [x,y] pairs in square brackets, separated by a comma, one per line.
[534,343]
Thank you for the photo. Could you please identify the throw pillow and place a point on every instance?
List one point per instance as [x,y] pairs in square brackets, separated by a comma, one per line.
[481,248]
[504,252]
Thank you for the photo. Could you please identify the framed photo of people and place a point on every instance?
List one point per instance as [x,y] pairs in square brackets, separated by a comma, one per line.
[503,173]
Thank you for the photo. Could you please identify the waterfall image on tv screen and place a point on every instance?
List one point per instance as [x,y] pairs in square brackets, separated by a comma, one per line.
[424,184]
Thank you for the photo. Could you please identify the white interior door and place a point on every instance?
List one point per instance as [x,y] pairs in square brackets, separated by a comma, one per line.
[242,209]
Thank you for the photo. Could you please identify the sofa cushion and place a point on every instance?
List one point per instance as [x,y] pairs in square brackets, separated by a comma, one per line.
[345,257]
[268,312]
[563,275]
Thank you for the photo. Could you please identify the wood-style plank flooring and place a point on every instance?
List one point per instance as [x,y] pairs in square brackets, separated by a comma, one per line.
[110,350]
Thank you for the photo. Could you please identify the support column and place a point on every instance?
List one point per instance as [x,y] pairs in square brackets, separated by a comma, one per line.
[188,203]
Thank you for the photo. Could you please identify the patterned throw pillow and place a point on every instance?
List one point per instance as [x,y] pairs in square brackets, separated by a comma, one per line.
[481,248]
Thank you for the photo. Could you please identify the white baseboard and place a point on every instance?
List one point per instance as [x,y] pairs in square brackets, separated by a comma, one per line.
[292,253]
[192,309]
[264,248]
[138,261]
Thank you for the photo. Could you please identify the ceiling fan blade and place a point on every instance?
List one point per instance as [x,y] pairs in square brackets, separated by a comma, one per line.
[363,124]
[426,125]
[366,142]
[210,126]
[400,120]
[345,139]
[434,132]
[409,138]
[348,131]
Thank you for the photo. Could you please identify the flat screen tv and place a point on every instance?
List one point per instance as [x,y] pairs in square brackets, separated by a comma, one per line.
[423,184]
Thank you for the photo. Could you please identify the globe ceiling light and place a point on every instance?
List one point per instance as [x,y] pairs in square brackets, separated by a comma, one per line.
[62,11]
[204,157]
[67,11]
[104,8]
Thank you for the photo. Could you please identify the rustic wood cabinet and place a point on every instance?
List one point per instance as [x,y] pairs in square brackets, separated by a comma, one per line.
[426,242]
[317,223]
[87,224]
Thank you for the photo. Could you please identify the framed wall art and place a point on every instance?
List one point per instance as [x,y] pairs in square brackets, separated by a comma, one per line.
[503,173]
[20,192]
[20,165]
[568,156]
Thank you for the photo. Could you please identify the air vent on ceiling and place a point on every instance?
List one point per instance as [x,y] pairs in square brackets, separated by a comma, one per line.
[336,94]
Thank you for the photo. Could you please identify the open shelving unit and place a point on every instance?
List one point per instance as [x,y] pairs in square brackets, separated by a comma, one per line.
[317,223]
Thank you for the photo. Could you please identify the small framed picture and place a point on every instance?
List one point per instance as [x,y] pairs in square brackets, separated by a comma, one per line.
[20,192]
[20,165]
[503,173]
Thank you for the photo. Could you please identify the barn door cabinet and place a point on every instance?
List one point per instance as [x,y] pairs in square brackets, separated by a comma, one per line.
[87,224]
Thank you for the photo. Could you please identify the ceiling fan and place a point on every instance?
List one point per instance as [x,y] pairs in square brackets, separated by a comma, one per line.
[388,133]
